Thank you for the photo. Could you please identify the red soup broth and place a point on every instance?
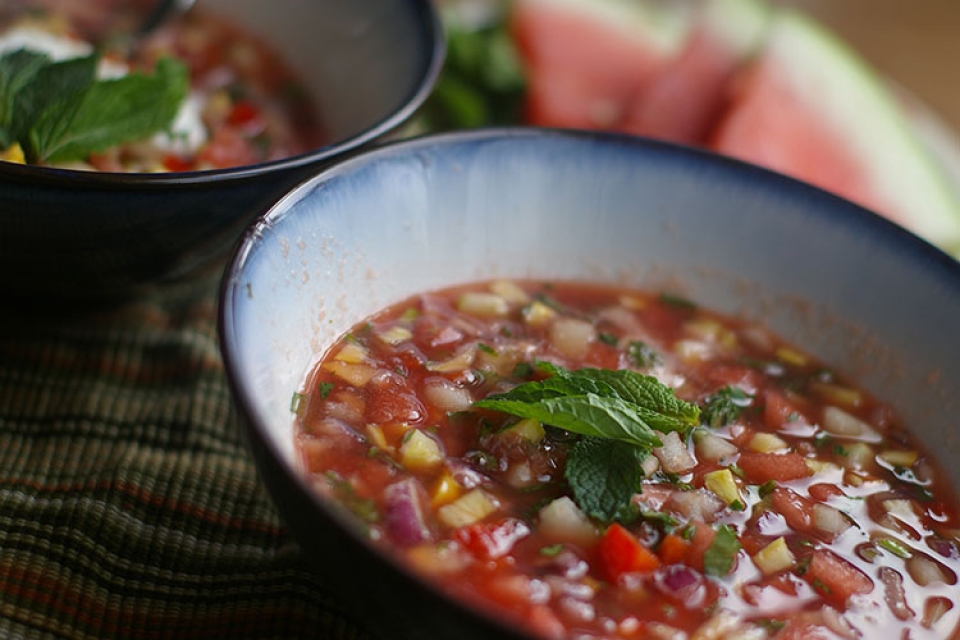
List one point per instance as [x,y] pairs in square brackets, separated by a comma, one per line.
[795,505]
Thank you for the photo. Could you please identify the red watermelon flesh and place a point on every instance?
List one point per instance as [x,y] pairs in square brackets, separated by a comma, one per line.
[809,107]
[683,103]
[586,60]
[768,124]
[687,97]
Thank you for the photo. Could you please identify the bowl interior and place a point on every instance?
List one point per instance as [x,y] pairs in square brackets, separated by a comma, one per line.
[867,298]
[356,59]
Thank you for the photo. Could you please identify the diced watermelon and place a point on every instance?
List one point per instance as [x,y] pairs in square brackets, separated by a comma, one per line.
[835,578]
[684,101]
[762,467]
[810,108]
[620,552]
[586,60]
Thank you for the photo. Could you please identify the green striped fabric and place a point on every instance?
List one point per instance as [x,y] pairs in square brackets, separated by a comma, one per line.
[129,504]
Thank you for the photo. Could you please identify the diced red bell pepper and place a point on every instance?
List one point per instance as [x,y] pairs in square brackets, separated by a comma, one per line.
[673,549]
[621,552]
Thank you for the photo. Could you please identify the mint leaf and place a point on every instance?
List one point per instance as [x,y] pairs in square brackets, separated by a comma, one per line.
[17,70]
[44,109]
[719,556]
[60,111]
[129,108]
[622,405]
[603,476]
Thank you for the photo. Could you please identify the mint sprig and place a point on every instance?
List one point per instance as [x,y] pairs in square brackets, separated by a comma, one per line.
[619,413]
[60,111]
[621,405]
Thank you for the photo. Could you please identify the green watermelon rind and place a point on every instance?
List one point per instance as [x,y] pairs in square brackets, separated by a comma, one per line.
[854,100]
[739,25]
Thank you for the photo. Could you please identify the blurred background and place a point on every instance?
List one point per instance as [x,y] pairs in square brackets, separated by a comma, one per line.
[916,43]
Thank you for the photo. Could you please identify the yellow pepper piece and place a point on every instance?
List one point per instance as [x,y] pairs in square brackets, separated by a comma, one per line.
[14,153]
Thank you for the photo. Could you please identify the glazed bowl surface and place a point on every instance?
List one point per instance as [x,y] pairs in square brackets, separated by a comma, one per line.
[85,236]
[852,289]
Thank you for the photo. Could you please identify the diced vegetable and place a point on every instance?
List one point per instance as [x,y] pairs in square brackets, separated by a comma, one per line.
[840,423]
[528,429]
[356,374]
[561,519]
[471,507]
[722,483]
[510,291]
[571,336]
[712,447]
[538,314]
[482,304]
[768,443]
[761,467]
[620,552]
[420,452]
[775,557]
[674,456]
[351,353]
[447,396]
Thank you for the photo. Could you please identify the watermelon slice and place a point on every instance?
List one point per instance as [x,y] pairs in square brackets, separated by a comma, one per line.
[586,60]
[808,107]
[687,97]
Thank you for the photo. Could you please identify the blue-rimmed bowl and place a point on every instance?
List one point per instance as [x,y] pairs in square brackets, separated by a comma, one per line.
[849,287]
[85,236]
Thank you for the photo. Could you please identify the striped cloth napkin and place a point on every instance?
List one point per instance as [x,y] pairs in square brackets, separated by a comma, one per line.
[129,503]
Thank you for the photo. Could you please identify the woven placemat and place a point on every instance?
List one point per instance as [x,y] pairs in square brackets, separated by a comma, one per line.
[129,503]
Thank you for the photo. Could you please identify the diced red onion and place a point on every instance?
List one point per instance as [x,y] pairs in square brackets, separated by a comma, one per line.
[894,594]
[681,583]
[673,455]
[404,513]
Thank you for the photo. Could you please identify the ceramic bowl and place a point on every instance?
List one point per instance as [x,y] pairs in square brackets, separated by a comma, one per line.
[851,288]
[82,236]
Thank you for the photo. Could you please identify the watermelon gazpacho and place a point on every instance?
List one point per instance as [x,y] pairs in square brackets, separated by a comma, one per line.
[587,461]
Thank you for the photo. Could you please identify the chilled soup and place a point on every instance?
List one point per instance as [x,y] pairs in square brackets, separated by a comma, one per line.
[594,462]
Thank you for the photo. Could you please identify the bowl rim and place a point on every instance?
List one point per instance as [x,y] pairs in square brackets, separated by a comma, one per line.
[433,43]
[233,288]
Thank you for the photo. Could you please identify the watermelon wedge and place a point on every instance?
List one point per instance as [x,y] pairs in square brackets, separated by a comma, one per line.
[587,60]
[684,101]
[808,107]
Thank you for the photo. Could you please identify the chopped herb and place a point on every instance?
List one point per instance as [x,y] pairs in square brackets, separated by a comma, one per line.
[363,508]
[688,532]
[771,625]
[822,438]
[719,557]
[725,406]
[840,451]
[324,389]
[642,355]
[486,349]
[410,314]
[895,547]
[737,471]
[607,338]
[297,402]
[672,478]
[659,517]
[820,586]
[551,551]
[737,505]
[766,488]
[674,300]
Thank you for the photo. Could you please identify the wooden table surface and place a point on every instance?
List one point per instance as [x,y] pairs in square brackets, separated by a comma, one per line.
[914,42]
